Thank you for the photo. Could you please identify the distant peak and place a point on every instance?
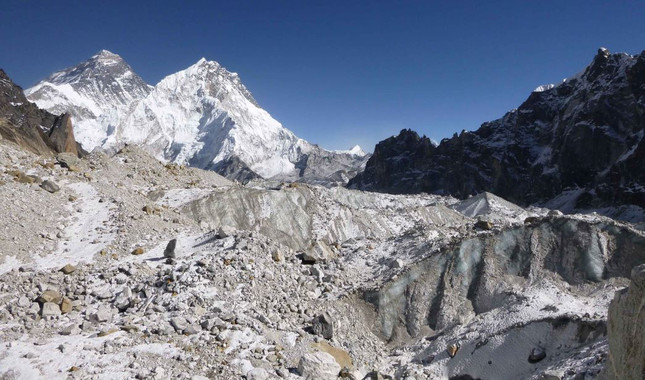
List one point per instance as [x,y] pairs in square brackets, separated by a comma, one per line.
[355,151]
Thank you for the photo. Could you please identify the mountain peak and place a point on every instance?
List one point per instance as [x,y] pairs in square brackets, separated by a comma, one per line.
[107,58]
[105,54]
[93,92]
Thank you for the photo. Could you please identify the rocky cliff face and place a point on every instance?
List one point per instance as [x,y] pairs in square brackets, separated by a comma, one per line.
[578,144]
[28,126]
[626,335]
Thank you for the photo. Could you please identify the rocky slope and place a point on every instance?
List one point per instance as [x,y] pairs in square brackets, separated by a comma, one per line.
[576,145]
[24,124]
[129,268]
[202,116]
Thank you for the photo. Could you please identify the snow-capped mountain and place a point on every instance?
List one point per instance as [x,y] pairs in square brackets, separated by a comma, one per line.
[97,93]
[202,116]
[575,145]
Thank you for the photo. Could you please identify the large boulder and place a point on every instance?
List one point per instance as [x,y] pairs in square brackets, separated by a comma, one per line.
[318,366]
[625,323]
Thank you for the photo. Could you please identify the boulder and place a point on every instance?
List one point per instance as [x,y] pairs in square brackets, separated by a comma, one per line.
[68,269]
[50,296]
[71,329]
[484,225]
[318,366]
[452,349]
[179,323]
[68,160]
[322,325]
[50,186]
[375,375]
[169,252]
[50,309]
[319,252]
[66,305]
[124,299]
[102,314]
[537,354]
[225,231]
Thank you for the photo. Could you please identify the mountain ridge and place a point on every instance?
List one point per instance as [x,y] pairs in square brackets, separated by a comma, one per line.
[583,135]
[202,116]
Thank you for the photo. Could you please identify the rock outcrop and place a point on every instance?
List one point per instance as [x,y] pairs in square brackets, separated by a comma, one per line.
[577,145]
[36,130]
[625,327]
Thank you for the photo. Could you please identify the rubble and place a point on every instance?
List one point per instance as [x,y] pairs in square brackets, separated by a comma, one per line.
[391,282]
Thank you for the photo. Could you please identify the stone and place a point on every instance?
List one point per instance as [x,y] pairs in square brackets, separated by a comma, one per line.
[483,225]
[138,251]
[23,302]
[67,160]
[375,375]
[319,252]
[277,256]
[257,374]
[50,309]
[68,269]
[537,354]
[148,209]
[124,299]
[346,373]
[318,366]
[225,231]
[121,278]
[102,314]
[169,252]
[322,325]
[50,296]
[66,305]
[71,329]
[555,213]
[179,323]
[50,186]
[452,349]
[531,220]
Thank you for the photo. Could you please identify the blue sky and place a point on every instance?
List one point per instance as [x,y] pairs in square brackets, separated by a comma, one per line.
[337,72]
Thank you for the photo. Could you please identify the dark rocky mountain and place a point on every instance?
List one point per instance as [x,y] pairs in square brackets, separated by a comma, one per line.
[30,127]
[576,145]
